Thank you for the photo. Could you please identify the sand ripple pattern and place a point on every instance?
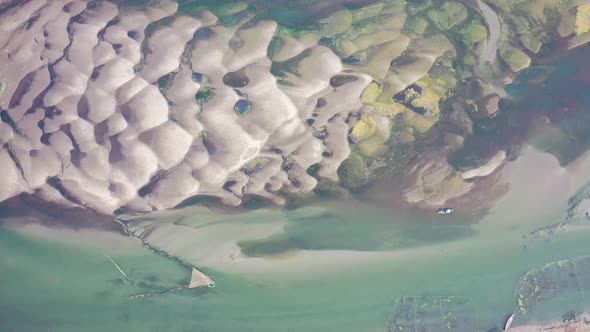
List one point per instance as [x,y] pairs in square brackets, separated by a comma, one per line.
[98,108]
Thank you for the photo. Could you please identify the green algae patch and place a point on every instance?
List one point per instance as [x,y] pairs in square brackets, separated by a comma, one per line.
[474,32]
[425,106]
[371,134]
[373,146]
[353,172]
[448,15]
[365,128]
[515,58]
[370,97]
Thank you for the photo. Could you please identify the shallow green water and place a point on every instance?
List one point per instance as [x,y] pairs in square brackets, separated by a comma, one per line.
[52,286]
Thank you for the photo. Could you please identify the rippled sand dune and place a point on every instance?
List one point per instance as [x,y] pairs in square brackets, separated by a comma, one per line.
[113,107]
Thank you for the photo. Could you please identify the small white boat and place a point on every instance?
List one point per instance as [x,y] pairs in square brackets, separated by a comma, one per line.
[445,210]
[508,322]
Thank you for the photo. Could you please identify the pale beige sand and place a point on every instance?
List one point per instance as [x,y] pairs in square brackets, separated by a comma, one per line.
[102,109]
